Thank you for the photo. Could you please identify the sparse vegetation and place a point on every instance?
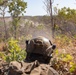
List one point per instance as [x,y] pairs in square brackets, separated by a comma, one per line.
[27,27]
[64,63]
[15,52]
[64,60]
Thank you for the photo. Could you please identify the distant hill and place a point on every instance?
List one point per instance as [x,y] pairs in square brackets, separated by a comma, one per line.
[38,25]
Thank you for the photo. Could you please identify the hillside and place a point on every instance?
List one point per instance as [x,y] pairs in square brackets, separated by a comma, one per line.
[40,24]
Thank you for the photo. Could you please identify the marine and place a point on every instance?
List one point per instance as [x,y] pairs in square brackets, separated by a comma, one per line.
[39,53]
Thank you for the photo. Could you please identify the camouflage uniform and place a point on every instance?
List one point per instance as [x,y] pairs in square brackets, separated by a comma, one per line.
[33,68]
[39,52]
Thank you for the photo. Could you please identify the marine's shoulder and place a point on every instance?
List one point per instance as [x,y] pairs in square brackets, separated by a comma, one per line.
[44,69]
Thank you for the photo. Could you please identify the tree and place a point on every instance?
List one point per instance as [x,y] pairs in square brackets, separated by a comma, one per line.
[16,9]
[3,6]
[67,14]
[48,4]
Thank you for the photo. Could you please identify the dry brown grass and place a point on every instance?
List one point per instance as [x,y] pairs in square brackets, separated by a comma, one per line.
[3,46]
[66,46]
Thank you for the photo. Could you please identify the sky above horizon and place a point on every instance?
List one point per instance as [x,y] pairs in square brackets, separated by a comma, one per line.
[37,7]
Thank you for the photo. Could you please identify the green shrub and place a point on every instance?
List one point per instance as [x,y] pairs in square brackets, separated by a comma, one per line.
[15,52]
[40,27]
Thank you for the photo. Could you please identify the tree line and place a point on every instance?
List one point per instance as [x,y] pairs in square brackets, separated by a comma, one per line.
[17,8]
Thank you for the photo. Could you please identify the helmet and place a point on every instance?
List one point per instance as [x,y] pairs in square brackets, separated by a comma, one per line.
[40,45]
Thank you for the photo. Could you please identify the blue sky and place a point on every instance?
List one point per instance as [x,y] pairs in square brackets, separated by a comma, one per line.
[37,7]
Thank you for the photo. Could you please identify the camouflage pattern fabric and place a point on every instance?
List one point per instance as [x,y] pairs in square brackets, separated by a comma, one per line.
[33,68]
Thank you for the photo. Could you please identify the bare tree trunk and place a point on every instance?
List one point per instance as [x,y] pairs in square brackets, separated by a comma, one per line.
[14,27]
[52,21]
[5,27]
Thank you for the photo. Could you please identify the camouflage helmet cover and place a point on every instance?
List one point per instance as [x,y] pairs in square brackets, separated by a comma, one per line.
[40,45]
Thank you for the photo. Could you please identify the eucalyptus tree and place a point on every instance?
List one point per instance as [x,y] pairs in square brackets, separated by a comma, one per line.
[67,14]
[16,9]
